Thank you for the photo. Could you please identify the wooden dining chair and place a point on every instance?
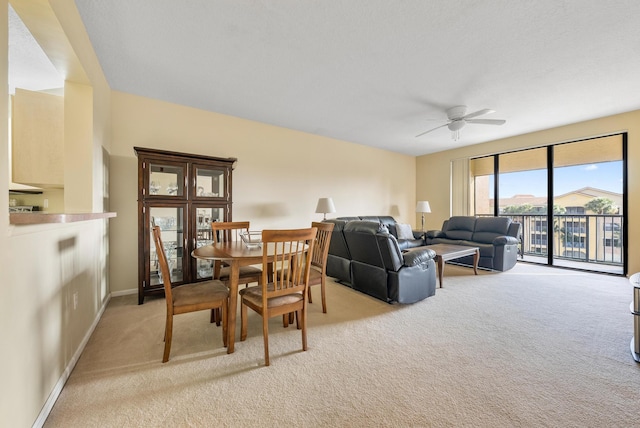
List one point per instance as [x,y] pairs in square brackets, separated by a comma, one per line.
[290,283]
[318,272]
[227,231]
[192,297]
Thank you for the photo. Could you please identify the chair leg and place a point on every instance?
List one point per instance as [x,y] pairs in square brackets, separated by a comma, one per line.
[285,320]
[167,338]
[309,293]
[303,315]
[324,296]
[215,316]
[225,314]
[243,321]
[265,334]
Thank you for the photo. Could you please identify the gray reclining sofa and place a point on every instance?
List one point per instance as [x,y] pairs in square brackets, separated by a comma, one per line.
[497,238]
[367,256]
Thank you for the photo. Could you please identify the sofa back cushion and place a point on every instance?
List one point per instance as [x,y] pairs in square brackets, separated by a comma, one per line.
[460,227]
[362,242]
[390,251]
[404,231]
[489,228]
[337,244]
[393,229]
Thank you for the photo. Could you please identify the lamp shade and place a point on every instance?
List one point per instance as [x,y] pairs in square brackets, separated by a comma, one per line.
[423,207]
[325,205]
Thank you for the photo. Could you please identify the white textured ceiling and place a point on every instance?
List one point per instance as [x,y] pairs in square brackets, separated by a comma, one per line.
[29,66]
[377,72]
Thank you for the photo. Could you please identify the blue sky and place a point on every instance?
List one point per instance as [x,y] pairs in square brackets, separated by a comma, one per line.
[605,176]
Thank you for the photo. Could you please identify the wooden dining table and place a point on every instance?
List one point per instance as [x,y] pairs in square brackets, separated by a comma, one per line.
[236,254]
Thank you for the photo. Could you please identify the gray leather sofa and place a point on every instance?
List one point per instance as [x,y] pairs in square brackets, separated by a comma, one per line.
[376,264]
[339,258]
[497,238]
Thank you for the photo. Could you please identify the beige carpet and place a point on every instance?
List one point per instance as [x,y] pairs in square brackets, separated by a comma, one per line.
[530,347]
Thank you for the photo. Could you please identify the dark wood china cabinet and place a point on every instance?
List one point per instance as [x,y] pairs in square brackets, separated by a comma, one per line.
[182,193]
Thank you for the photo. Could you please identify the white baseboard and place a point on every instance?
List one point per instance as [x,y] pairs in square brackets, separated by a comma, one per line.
[124,292]
[55,393]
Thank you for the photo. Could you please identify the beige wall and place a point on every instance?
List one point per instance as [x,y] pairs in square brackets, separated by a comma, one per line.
[431,168]
[279,176]
[42,267]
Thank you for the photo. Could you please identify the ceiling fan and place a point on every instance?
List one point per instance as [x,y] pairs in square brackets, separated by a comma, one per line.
[458,119]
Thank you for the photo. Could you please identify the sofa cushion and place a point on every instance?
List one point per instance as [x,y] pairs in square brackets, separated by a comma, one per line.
[337,244]
[446,241]
[405,244]
[460,227]
[391,228]
[404,231]
[489,228]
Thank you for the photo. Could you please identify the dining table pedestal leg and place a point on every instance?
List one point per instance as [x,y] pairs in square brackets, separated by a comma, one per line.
[233,306]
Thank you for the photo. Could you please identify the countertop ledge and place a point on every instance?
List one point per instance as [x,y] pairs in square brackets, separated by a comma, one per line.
[42,218]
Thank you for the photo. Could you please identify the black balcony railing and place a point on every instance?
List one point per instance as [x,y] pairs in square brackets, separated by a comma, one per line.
[590,238]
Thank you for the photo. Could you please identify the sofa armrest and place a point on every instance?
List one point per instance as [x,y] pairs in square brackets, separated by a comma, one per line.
[435,234]
[505,240]
[418,256]
[418,234]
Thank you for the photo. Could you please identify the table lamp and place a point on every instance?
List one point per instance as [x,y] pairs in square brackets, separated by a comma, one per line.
[325,205]
[423,207]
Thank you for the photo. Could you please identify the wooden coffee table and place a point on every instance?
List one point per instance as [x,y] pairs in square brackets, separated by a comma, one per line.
[445,252]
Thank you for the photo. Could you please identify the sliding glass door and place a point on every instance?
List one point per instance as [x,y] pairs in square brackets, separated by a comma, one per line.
[588,185]
[522,190]
[569,198]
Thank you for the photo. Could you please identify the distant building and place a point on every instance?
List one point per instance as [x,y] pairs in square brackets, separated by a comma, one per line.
[573,201]
[577,233]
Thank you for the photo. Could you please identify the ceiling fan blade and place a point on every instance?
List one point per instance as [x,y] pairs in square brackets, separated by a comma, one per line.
[478,113]
[487,121]
[433,129]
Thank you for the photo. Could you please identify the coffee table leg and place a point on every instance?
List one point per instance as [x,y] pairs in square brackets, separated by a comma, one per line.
[440,263]
[476,259]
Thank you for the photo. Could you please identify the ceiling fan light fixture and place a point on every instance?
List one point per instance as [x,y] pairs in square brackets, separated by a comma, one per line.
[456,125]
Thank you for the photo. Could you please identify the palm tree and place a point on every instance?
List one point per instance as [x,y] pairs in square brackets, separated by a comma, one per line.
[601,205]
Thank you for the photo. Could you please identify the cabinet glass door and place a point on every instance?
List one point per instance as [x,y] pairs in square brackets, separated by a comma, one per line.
[203,236]
[166,179]
[210,182]
[171,222]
